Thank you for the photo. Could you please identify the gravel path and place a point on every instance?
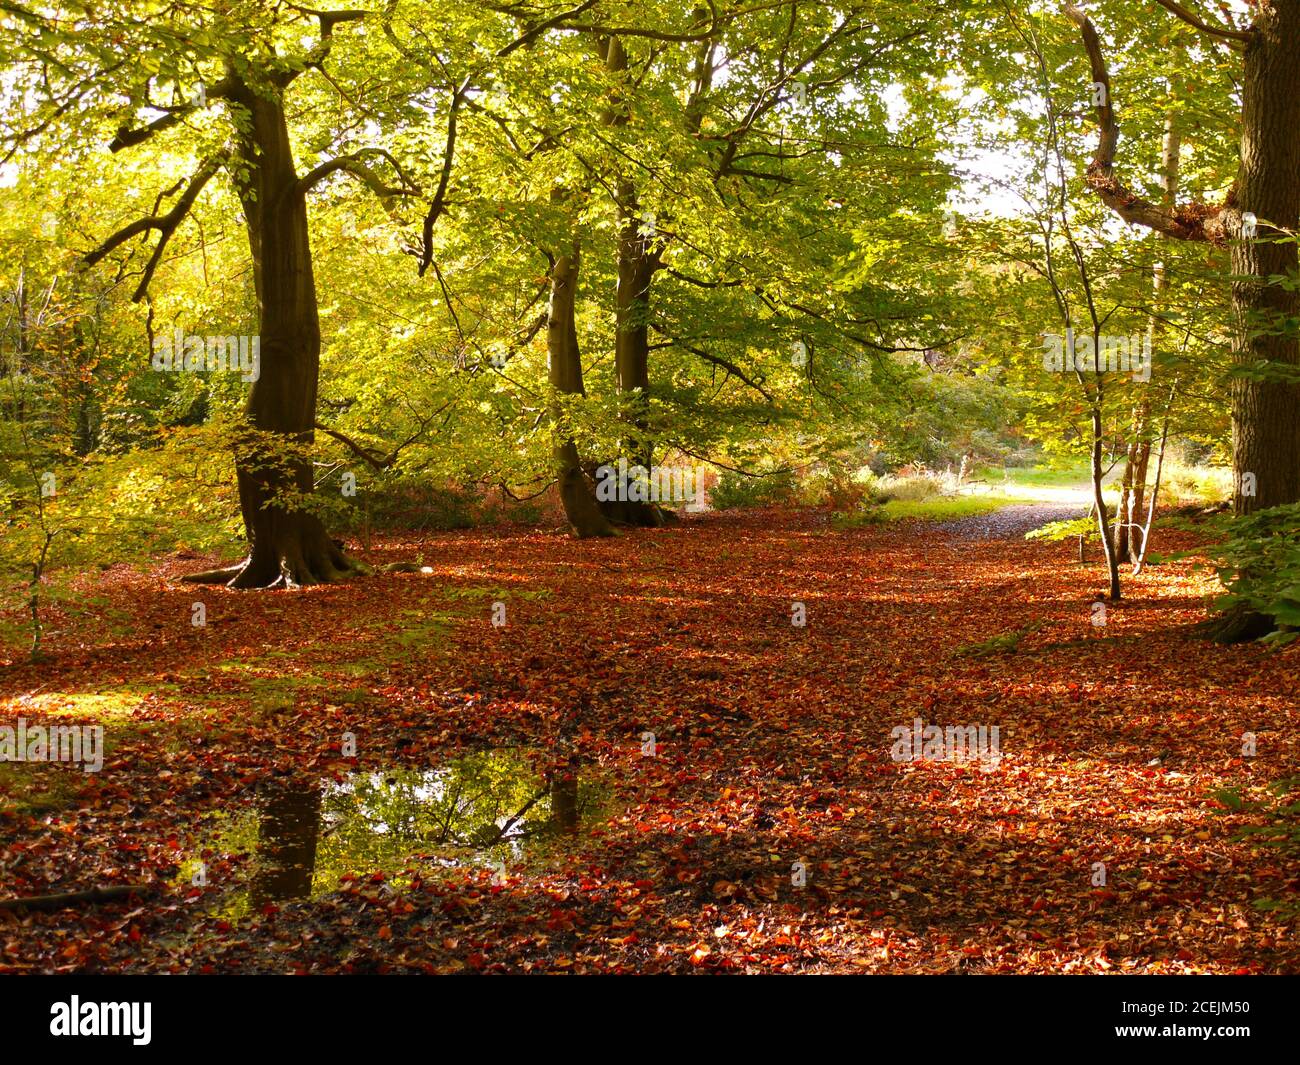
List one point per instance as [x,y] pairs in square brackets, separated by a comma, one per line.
[1011,522]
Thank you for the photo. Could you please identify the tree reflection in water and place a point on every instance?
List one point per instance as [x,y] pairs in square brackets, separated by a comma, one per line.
[481,809]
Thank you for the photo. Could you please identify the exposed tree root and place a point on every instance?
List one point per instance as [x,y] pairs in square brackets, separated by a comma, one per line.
[1237,626]
[294,564]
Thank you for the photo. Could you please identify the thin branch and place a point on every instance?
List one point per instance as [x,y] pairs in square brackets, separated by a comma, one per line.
[716,360]
[165,224]
[352,164]
[654,35]
[1193,20]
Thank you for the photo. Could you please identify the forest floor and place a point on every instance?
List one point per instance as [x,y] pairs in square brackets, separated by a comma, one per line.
[649,767]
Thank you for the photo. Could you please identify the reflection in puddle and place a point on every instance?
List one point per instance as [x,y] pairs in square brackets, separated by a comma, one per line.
[481,810]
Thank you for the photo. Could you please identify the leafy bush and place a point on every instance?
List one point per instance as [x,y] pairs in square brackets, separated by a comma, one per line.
[835,487]
[1183,484]
[1259,565]
[739,490]
[103,510]
[415,503]
[1056,531]
[936,508]
[911,488]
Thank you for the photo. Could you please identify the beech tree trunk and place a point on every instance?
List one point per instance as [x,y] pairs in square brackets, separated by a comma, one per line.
[565,358]
[1266,406]
[637,261]
[288,546]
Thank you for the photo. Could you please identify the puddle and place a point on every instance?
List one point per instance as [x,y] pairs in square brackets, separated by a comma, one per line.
[478,811]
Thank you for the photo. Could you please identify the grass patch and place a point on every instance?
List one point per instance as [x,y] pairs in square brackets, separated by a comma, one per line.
[1004,643]
[1075,476]
[37,788]
[936,508]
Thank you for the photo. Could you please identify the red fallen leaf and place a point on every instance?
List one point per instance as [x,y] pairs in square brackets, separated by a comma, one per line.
[980,843]
[385,932]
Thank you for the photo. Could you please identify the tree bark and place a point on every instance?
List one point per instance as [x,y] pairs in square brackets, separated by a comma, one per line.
[1125,497]
[637,261]
[1266,405]
[565,359]
[288,545]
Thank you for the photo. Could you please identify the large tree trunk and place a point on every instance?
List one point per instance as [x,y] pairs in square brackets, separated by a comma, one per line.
[289,546]
[637,261]
[1266,406]
[585,518]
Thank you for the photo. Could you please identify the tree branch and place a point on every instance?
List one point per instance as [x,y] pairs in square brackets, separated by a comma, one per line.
[716,360]
[352,164]
[165,224]
[439,202]
[128,138]
[1194,222]
[377,463]
[1205,27]
[654,35]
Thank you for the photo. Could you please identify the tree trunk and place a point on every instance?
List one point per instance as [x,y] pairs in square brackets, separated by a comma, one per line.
[637,262]
[1266,406]
[1135,531]
[1140,561]
[288,545]
[585,518]
[1103,520]
[1125,497]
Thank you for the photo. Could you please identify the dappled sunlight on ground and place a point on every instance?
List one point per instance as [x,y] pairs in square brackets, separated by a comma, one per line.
[733,744]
